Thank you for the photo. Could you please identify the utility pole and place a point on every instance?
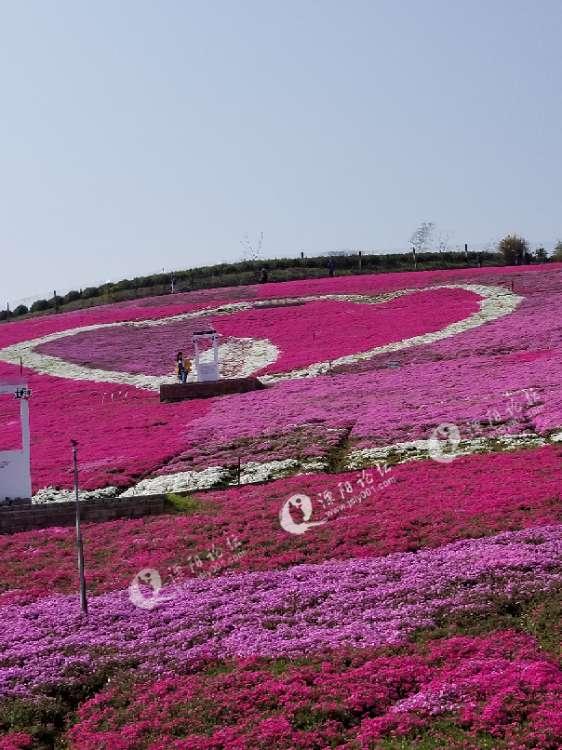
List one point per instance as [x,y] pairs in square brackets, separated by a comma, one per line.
[79,543]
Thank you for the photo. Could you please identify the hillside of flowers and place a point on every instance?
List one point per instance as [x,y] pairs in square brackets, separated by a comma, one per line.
[365,554]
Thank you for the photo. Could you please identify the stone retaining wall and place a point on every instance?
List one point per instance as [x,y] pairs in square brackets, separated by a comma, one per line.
[223,387]
[27,517]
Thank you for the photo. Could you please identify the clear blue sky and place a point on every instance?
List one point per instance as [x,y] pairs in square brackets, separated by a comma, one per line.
[137,135]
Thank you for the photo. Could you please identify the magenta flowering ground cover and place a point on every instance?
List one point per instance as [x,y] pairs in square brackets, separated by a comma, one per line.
[122,432]
[16,741]
[462,380]
[493,684]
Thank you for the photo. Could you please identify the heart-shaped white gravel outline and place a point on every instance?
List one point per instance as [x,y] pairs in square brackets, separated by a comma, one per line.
[496,301]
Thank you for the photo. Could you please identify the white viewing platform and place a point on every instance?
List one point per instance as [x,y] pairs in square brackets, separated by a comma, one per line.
[206,371]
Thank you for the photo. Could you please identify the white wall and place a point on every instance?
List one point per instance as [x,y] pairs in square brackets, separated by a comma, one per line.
[15,466]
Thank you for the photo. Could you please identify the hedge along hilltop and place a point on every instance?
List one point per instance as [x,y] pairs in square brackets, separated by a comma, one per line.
[248,272]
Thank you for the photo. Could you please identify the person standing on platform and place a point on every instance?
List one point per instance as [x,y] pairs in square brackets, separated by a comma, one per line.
[183,367]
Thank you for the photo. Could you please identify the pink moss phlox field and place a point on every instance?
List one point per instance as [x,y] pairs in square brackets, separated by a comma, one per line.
[427,505]
[456,380]
[307,608]
[326,639]
[315,331]
[462,380]
[492,684]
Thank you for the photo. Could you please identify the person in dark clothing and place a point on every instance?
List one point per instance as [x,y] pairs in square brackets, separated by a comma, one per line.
[264,276]
[182,367]
[331,267]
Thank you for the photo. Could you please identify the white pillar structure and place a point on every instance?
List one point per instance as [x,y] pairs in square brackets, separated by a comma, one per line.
[206,370]
[15,465]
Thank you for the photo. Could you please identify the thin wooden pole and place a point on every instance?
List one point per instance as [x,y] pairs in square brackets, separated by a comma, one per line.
[79,542]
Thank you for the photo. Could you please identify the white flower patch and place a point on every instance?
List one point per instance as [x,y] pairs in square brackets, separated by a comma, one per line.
[254,472]
[52,495]
[217,476]
[421,450]
[184,481]
[251,472]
